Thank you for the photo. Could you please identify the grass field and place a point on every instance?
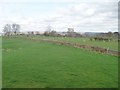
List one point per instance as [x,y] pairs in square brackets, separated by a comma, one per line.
[36,64]
[113,45]
[0,62]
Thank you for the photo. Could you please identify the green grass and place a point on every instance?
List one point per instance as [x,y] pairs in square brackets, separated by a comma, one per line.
[36,64]
[113,45]
[0,62]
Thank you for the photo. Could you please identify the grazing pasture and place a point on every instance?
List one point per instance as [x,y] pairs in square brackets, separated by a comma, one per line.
[113,44]
[29,64]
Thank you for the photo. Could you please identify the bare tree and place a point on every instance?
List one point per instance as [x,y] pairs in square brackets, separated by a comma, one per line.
[70,32]
[15,28]
[7,29]
[48,30]
[53,33]
[11,29]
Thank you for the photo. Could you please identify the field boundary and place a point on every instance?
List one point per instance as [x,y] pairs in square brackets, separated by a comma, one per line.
[86,47]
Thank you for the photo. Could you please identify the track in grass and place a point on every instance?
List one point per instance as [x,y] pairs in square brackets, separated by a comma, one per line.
[113,45]
[36,64]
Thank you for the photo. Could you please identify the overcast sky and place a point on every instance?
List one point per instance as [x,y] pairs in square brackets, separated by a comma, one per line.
[82,15]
